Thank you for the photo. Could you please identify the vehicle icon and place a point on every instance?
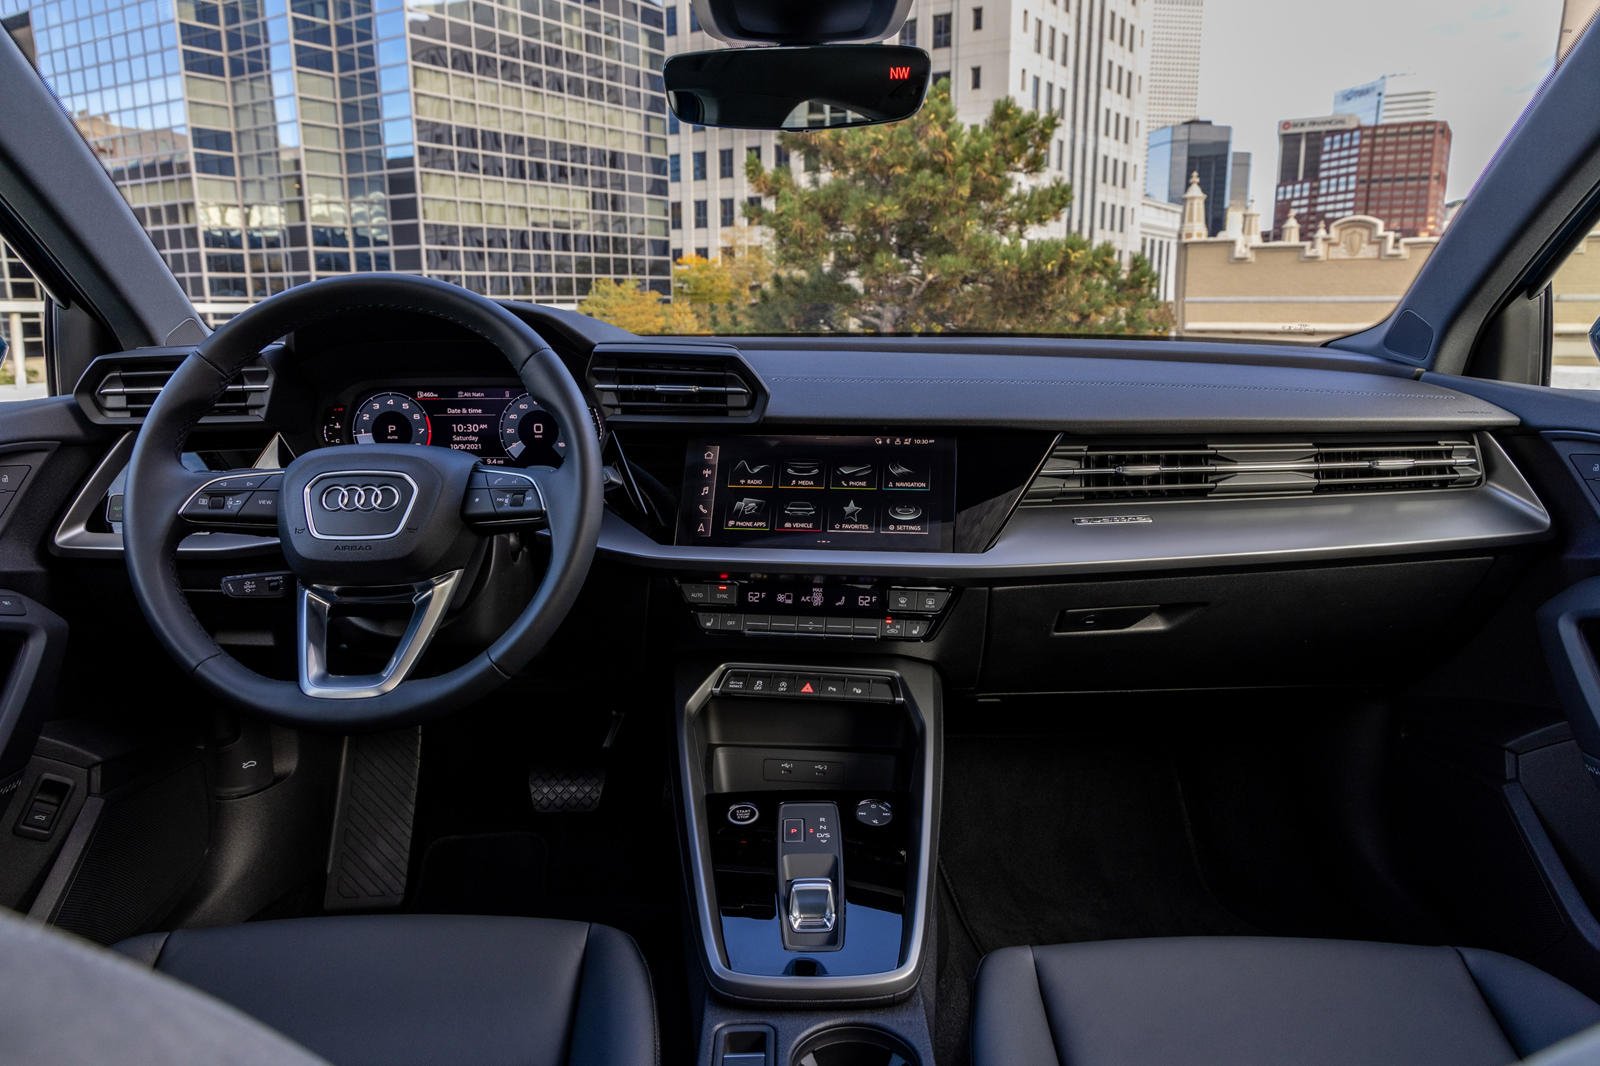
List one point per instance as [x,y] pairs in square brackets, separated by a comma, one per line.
[800,509]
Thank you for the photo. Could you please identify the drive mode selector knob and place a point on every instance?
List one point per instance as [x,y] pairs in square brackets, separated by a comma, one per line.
[743,813]
[876,813]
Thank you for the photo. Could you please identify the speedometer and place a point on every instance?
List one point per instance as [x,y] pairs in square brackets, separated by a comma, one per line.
[391,418]
[529,434]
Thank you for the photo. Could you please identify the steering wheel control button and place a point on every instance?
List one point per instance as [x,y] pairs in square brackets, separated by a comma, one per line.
[262,504]
[743,814]
[255,586]
[874,812]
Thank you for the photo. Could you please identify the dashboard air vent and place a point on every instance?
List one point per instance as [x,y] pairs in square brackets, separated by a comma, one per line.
[1079,473]
[672,385]
[123,389]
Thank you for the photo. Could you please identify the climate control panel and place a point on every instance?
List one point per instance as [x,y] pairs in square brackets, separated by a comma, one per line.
[786,605]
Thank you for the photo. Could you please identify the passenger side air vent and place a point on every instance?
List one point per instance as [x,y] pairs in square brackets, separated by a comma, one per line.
[672,383]
[122,388]
[1079,473]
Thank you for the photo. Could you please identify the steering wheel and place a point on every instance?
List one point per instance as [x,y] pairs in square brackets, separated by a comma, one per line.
[362,525]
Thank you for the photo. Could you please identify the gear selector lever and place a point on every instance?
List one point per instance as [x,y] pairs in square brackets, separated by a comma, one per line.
[811,876]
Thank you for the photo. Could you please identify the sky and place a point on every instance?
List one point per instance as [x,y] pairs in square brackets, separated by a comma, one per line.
[1266,60]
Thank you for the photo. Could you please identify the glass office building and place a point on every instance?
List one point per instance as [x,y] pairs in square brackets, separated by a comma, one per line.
[517,148]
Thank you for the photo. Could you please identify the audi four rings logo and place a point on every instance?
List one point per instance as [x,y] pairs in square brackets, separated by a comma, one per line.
[360,498]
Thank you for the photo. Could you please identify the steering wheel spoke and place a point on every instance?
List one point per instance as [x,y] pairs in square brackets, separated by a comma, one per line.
[497,498]
[429,601]
[246,500]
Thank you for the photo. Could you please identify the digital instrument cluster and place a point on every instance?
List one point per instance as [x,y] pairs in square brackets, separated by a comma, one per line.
[502,426]
[880,492]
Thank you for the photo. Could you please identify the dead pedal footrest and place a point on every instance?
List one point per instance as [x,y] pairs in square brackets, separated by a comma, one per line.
[369,857]
[566,789]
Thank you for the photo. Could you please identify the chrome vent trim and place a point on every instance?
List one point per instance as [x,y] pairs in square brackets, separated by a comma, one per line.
[127,390]
[665,385]
[1144,470]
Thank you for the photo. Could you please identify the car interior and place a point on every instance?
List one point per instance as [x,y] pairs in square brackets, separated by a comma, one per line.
[393,674]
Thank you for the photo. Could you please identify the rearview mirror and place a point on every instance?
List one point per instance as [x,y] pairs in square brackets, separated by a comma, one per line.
[822,87]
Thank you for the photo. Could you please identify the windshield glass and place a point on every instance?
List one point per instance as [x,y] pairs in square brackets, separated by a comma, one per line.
[1220,169]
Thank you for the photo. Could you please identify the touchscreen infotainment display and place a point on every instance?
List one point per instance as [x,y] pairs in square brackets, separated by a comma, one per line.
[884,492]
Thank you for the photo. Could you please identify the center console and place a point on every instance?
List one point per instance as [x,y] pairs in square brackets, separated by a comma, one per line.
[810,809]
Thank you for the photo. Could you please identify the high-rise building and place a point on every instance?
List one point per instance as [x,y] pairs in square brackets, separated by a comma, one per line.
[1391,98]
[518,149]
[1203,147]
[1084,60]
[1334,166]
[1175,27]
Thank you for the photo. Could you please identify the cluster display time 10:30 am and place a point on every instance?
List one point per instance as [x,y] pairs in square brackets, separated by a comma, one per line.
[501,426]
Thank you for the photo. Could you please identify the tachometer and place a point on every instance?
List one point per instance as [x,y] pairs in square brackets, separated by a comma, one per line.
[391,418]
[529,434]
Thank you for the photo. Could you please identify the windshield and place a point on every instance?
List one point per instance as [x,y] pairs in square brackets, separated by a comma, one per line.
[1219,169]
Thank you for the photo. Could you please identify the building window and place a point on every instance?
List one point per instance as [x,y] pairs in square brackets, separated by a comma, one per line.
[694,19]
[1052,44]
[941,31]
[699,161]
[700,219]
[908,32]
[780,156]
[938,76]
[753,153]
[977,18]
[1038,38]
[725,163]
[677,215]
[675,168]
[703,252]
[672,20]
[1036,92]
[727,211]
[977,77]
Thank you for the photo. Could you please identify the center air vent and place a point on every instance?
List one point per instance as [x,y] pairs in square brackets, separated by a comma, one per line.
[122,388]
[1079,473]
[669,383]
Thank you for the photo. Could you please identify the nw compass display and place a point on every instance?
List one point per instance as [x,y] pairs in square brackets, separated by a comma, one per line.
[893,492]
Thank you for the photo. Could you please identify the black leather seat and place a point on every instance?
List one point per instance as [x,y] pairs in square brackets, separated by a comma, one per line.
[1243,1001]
[399,989]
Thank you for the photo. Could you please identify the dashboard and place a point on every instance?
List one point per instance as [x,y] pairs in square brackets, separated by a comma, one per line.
[499,424]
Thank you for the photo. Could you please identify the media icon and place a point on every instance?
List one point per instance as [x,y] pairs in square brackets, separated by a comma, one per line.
[801,474]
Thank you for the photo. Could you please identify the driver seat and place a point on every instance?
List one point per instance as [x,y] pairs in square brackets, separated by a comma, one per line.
[399,989]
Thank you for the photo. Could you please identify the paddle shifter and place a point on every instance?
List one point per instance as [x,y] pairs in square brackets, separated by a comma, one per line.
[811,876]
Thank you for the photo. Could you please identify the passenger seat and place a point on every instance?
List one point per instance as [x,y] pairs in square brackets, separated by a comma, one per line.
[1242,1001]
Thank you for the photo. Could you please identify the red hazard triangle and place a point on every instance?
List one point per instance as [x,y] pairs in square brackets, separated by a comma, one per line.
[807,687]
